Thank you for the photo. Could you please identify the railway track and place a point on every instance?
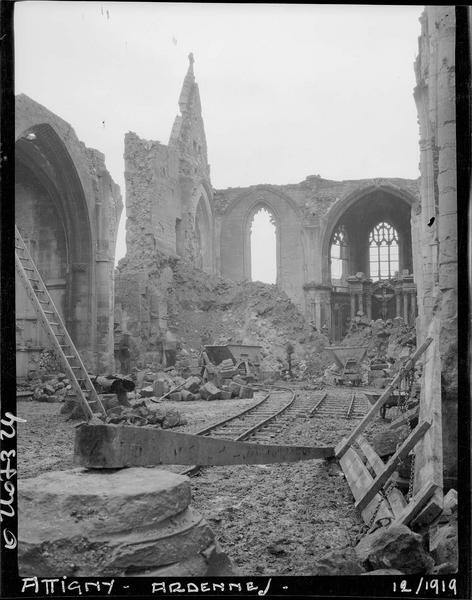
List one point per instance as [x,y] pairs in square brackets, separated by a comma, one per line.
[340,404]
[277,409]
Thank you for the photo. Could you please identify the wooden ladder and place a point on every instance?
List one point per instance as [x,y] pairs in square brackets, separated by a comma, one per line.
[55,329]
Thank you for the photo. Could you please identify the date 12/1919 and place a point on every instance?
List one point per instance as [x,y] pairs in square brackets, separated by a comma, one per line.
[436,586]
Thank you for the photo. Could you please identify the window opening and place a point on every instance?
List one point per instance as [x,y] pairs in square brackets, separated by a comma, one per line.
[263,247]
[383,252]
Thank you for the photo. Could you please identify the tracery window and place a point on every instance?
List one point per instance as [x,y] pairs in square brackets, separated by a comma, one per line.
[338,253]
[383,251]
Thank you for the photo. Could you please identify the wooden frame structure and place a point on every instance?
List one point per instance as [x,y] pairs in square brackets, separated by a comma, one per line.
[366,473]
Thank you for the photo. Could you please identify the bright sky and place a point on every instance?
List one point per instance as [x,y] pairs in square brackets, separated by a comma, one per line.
[287,90]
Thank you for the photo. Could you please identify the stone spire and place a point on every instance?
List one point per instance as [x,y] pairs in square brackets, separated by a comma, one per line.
[189,87]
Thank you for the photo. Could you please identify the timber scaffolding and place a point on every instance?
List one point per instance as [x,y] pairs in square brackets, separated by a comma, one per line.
[370,479]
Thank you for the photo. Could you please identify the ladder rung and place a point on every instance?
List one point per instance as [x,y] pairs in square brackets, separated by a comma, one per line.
[69,356]
[77,368]
[49,312]
[32,279]
[28,269]
[43,301]
[53,323]
[19,247]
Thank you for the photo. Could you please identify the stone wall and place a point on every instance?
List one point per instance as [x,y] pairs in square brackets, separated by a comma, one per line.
[168,191]
[306,215]
[434,222]
[67,209]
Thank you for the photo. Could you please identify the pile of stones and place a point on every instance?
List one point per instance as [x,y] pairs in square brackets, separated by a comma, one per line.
[156,385]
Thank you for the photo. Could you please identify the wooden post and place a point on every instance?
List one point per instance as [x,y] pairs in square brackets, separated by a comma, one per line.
[429,452]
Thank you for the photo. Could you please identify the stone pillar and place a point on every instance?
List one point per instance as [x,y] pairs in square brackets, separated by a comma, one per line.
[353,307]
[113,505]
[397,303]
[368,301]
[360,300]
[405,306]
[413,307]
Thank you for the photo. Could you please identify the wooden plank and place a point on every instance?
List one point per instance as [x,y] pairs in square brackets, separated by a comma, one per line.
[399,455]
[359,480]
[415,505]
[117,446]
[371,455]
[395,498]
[429,453]
[344,445]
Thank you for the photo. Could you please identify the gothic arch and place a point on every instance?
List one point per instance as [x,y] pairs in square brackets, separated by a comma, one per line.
[204,230]
[254,208]
[403,199]
[47,181]
[235,250]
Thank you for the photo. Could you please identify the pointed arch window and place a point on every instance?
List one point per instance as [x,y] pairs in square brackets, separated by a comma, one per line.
[338,254]
[383,251]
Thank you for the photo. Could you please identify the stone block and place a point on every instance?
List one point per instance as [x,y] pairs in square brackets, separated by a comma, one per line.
[193,385]
[443,544]
[246,392]
[234,388]
[175,397]
[146,392]
[172,419]
[160,387]
[209,391]
[386,442]
[187,396]
[395,547]
[225,395]
[109,401]
[339,562]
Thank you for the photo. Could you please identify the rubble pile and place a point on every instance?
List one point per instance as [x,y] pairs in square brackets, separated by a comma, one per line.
[389,343]
[173,387]
[207,309]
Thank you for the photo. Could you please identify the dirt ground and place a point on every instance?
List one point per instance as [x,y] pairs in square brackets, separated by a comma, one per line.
[271,519]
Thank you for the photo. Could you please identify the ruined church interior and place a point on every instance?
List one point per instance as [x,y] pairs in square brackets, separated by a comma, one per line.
[317,414]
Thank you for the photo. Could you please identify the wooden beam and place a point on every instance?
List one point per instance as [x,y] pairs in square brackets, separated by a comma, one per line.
[399,455]
[416,504]
[359,480]
[117,446]
[344,445]
[429,451]
[395,498]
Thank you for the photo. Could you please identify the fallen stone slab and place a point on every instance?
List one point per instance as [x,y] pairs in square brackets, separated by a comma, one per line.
[225,395]
[187,396]
[175,397]
[395,547]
